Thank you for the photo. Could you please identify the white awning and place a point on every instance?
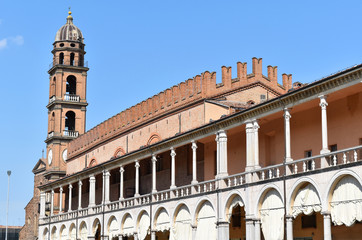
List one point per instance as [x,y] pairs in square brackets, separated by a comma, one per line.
[63,233]
[234,203]
[128,228]
[72,232]
[306,201]
[143,226]
[206,223]
[162,221]
[272,216]
[181,229]
[346,204]
[83,232]
[113,230]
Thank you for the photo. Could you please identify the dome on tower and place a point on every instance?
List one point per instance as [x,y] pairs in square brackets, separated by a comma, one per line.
[69,32]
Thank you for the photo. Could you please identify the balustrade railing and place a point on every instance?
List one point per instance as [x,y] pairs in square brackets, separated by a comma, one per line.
[300,166]
[70,133]
[51,99]
[74,64]
[71,98]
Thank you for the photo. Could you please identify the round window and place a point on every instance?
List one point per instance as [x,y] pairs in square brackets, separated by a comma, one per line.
[72,45]
[61,45]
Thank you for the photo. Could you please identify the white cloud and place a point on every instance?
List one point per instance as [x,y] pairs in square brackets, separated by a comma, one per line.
[18,40]
[3,43]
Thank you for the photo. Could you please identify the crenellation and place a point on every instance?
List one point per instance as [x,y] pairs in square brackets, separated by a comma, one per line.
[257,66]
[287,81]
[200,86]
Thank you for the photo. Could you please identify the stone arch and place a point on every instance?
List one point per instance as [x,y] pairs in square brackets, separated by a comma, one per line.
[143,224]
[233,200]
[92,163]
[154,138]
[262,193]
[271,213]
[119,152]
[63,233]
[112,227]
[72,231]
[199,204]
[127,225]
[205,220]
[83,232]
[298,185]
[345,200]
[45,233]
[161,220]
[53,235]
[181,223]
[96,227]
[333,182]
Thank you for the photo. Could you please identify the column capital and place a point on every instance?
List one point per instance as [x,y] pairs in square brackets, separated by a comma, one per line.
[92,178]
[194,144]
[106,173]
[326,213]
[222,135]
[287,114]
[249,126]
[121,169]
[60,189]
[154,159]
[80,183]
[137,164]
[255,125]
[173,152]
[52,192]
[323,102]
[70,186]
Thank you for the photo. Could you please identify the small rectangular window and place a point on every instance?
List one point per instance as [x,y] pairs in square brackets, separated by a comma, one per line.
[262,97]
[333,147]
[309,221]
[308,154]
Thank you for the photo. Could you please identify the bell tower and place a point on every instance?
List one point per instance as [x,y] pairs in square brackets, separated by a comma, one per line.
[67,96]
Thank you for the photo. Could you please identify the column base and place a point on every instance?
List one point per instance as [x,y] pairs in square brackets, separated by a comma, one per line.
[154,190]
[137,195]
[172,187]
[325,161]
[223,230]
[194,182]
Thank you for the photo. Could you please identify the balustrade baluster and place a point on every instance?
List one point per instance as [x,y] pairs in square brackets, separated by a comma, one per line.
[355,155]
[241,180]
[313,165]
[344,158]
[304,166]
[263,175]
[278,172]
[229,182]
[295,168]
[270,174]
[235,181]
[334,160]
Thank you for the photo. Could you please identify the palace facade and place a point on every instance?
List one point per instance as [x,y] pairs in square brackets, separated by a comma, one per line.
[247,158]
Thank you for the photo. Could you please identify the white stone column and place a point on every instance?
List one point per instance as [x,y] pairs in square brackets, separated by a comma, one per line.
[173,180]
[222,230]
[153,235]
[60,199]
[250,149]
[256,144]
[194,162]
[289,227]
[137,184]
[194,229]
[323,104]
[327,226]
[287,117]
[42,204]
[154,161]
[257,230]
[70,188]
[80,194]
[217,155]
[223,154]
[121,185]
[92,191]
[106,185]
[52,203]
[135,236]
[250,231]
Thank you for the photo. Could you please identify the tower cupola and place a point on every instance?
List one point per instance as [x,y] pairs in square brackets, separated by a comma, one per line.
[69,32]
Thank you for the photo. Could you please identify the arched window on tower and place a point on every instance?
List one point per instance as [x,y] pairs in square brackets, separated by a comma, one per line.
[70,124]
[71,88]
[72,59]
[61,58]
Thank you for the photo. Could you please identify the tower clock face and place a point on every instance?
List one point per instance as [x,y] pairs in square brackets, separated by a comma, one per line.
[50,156]
[65,153]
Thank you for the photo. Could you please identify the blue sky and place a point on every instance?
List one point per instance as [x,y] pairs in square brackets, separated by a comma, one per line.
[136,49]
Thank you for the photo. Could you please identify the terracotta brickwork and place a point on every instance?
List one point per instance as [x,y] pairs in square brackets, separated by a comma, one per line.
[200,87]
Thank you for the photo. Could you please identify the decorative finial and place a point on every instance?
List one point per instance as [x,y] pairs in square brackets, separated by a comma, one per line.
[70,12]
